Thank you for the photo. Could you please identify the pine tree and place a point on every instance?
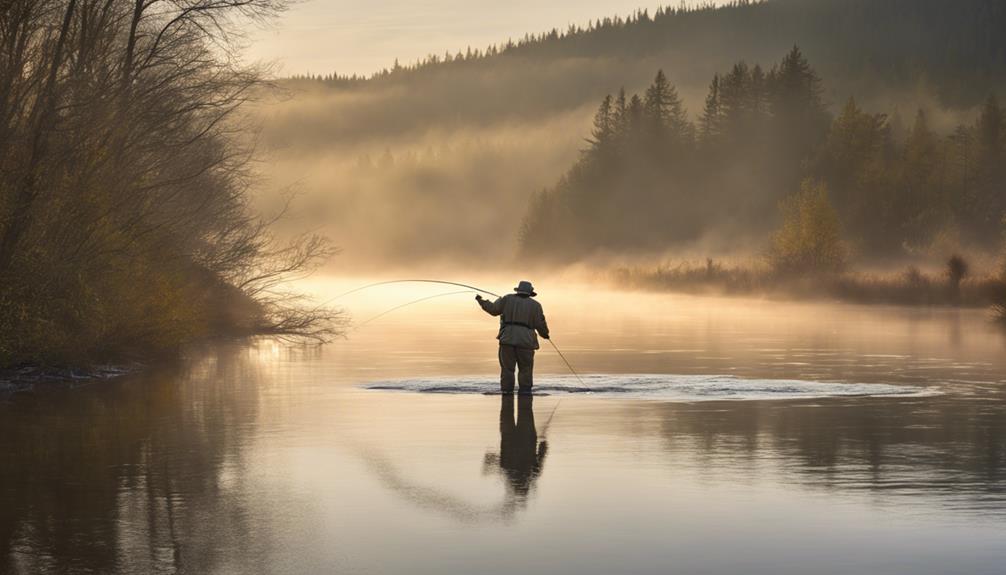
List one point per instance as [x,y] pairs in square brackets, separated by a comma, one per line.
[920,203]
[991,131]
[758,92]
[712,115]
[798,122]
[603,133]
[634,115]
[857,164]
[735,101]
[796,102]
[621,105]
[621,114]
[989,208]
[796,88]
[665,113]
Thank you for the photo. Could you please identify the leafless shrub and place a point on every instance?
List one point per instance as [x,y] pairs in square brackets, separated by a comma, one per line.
[124,221]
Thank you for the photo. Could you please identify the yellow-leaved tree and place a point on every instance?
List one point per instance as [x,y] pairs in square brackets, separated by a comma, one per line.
[810,237]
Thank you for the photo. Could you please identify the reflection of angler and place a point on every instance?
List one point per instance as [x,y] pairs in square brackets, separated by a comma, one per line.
[520,460]
[521,456]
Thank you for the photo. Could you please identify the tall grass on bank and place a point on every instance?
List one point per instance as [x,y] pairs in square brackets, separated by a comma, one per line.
[999,309]
[908,287]
[999,299]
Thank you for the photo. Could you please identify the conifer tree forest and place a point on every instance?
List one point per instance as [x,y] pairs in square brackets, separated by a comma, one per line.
[653,175]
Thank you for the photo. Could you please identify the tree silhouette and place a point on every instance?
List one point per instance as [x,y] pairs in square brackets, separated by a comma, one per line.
[647,183]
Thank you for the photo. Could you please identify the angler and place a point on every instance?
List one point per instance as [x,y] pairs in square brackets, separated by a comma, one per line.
[520,317]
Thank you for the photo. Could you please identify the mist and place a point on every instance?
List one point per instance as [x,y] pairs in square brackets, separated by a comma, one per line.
[610,297]
[425,195]
[438,162]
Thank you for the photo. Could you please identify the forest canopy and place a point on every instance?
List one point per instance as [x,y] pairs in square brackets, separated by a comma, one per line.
[651,178]
[390,157]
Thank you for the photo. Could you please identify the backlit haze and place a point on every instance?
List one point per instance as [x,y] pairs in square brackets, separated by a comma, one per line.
[349,37]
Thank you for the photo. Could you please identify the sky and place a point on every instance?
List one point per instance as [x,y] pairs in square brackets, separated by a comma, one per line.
[354,37]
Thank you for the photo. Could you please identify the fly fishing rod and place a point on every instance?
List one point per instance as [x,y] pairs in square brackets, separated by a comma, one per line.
[415,301]
[468,289]
[443,282]
[388,282]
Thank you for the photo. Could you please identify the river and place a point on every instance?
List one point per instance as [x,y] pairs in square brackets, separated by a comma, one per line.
[709,436]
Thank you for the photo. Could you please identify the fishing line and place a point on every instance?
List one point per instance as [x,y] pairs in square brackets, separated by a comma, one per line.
[566,361]
[388,282]
[443,282]
[468,288]
[548,422]
[398,307]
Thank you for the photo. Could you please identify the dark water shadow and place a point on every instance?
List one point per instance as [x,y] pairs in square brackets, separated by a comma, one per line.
[521,456]
[121,477]
[519,461]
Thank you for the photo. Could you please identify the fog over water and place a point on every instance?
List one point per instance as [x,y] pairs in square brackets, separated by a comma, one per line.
[264,458]
[439,165]
[711,396]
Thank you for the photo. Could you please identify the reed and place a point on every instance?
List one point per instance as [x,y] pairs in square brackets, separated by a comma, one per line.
[910,286]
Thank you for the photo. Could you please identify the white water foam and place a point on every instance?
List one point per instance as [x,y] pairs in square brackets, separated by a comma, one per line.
[665,387]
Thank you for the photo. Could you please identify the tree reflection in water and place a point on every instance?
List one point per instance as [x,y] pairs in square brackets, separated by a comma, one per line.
[120,477]
[157,474]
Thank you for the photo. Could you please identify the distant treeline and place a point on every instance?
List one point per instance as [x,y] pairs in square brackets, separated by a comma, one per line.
[893,56]
[652,178]
[124,221]
[955,48]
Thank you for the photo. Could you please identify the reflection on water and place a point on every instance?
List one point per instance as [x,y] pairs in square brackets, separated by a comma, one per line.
[949,455]
[665,387]
[123,479]
[520,458]
[519,461]
[261,459]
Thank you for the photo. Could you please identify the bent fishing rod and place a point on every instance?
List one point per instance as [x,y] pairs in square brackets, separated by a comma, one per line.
[388,282]
[443,282]
[415,301]
[468,289]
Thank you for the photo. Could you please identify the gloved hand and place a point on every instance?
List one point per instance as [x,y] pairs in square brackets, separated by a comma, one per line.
[478,297]
[546,337]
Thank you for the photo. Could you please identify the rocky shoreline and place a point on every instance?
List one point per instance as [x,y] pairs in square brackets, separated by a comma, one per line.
[31,378]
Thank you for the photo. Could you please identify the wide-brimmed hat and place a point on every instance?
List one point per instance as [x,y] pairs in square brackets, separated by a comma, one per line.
[525,287]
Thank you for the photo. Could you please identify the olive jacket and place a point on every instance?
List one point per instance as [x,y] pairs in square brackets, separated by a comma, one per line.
[520,317]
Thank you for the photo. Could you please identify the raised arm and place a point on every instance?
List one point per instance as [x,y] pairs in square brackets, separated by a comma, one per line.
[490,307]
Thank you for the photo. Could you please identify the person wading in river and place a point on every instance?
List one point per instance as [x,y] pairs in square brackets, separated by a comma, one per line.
[520,317]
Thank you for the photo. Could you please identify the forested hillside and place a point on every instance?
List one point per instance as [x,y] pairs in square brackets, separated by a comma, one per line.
[651,178]
[480,129]
[954,51]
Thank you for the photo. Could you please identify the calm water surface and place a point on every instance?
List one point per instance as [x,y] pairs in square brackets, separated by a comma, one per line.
[258,458]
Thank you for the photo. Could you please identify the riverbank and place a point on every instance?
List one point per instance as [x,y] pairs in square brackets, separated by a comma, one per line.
[29,378]
[910,286]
